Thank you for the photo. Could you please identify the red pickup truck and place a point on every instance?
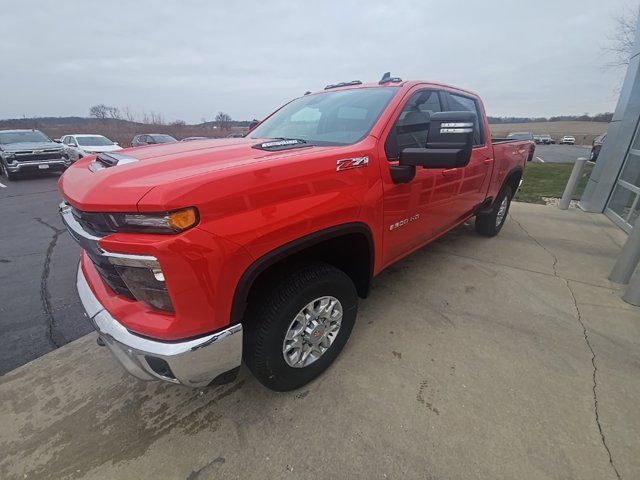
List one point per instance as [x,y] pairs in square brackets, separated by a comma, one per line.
[197,255]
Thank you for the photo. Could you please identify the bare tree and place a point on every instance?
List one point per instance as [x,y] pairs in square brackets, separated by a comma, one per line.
[223,121]
[622,39]
[102,112]
[129,115]
[114,113]
[99,111]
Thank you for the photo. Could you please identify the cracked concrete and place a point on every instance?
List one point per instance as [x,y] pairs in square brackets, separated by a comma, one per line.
[465,362]
[587,342]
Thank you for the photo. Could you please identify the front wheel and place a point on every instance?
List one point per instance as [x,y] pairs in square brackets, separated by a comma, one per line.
[5,172]
[297,324]
[490,223]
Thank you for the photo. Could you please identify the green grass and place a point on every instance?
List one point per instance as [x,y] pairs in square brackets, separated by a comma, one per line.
[549,180]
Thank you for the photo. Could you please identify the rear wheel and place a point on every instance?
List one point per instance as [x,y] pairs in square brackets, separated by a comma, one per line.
[298,324]
[490,223]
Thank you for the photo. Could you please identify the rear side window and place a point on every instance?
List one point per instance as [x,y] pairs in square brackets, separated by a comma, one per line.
[459,103]
[412,126]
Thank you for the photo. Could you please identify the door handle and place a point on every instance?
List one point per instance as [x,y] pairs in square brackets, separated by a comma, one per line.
[450,172]
[488,161]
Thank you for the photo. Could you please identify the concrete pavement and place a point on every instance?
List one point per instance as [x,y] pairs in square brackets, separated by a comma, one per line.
[510,357]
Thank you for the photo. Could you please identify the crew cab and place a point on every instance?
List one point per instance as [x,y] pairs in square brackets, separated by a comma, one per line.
[30,151]
[197,255]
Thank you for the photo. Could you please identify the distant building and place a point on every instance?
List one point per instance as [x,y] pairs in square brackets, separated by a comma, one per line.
[614,186]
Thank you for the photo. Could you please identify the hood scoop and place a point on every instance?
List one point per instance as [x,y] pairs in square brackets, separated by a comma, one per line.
[108,160]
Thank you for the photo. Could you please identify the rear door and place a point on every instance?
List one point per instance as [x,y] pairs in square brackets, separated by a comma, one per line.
[475,177]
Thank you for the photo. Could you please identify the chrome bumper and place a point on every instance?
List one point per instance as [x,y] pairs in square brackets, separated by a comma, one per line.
[194,363]
[17,166]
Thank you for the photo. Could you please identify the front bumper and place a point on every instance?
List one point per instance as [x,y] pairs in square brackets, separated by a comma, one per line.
[199,362]
[38,165]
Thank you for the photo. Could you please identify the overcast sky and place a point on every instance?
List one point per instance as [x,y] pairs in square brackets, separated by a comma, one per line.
[190,59]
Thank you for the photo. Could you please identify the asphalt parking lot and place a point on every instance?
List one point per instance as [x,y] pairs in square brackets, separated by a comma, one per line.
[560,153]
[39,307]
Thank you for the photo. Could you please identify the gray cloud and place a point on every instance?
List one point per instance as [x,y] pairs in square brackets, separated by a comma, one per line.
[190,59]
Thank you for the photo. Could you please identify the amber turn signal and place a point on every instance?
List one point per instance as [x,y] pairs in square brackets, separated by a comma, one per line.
[182,219]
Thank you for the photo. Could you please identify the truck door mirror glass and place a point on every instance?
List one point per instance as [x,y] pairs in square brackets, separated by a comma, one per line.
[449,145]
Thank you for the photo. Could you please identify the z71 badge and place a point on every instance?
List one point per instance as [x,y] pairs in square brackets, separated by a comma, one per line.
[348,163]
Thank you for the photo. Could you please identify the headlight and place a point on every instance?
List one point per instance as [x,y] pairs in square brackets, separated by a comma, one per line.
[8,155]
[165,222]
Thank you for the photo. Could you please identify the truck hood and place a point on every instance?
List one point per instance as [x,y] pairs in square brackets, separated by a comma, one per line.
[27,146]
[119,188]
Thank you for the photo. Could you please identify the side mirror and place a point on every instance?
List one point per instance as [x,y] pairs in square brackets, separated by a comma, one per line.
[72,144]
[449,145]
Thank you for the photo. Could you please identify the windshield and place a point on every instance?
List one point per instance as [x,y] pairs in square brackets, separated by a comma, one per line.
[20,137]
[97,141]
[333,118]
[163,138]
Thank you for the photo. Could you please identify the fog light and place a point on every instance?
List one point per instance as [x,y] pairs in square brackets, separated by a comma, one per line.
[147,285]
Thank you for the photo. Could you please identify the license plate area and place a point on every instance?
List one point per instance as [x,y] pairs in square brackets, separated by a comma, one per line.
[43,166]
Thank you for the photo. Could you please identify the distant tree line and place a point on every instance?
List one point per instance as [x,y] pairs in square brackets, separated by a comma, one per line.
[600,117]
[103,112]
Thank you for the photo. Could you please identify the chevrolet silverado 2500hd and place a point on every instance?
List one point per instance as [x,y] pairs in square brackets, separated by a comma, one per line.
[199,254]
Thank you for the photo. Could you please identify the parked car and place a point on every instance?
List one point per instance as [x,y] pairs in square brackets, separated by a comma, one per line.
[567,140]
[236,135]
[258,248]
[151,139]
[596,146]
[536,139]
[546,139]
[521,136]
[88,144]
[30,151]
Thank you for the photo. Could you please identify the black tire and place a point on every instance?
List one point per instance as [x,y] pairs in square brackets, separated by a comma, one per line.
[487,223]
[6,173]
[271,312]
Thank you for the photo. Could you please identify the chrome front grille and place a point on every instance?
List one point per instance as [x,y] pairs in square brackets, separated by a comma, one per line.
[40,155]
[75,220]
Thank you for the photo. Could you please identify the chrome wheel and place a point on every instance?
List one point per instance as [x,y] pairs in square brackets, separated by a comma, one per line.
[502,211]
[312,332]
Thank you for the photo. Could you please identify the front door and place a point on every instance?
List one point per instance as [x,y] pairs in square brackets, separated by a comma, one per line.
[416,211]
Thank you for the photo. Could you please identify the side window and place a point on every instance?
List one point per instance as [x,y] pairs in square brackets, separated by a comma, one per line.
[412,125]
[458,103]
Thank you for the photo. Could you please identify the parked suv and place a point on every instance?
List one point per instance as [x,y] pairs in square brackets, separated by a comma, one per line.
[151,139]
[546,139]
[567,140]
[197,254]
[30,151]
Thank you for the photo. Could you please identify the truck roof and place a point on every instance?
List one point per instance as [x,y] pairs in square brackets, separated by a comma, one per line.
[402,84]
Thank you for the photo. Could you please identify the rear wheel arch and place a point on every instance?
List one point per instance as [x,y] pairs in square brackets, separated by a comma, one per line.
[513,179]
[348,247]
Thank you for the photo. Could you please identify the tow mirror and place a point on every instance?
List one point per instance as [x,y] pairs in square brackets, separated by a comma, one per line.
[449,145]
